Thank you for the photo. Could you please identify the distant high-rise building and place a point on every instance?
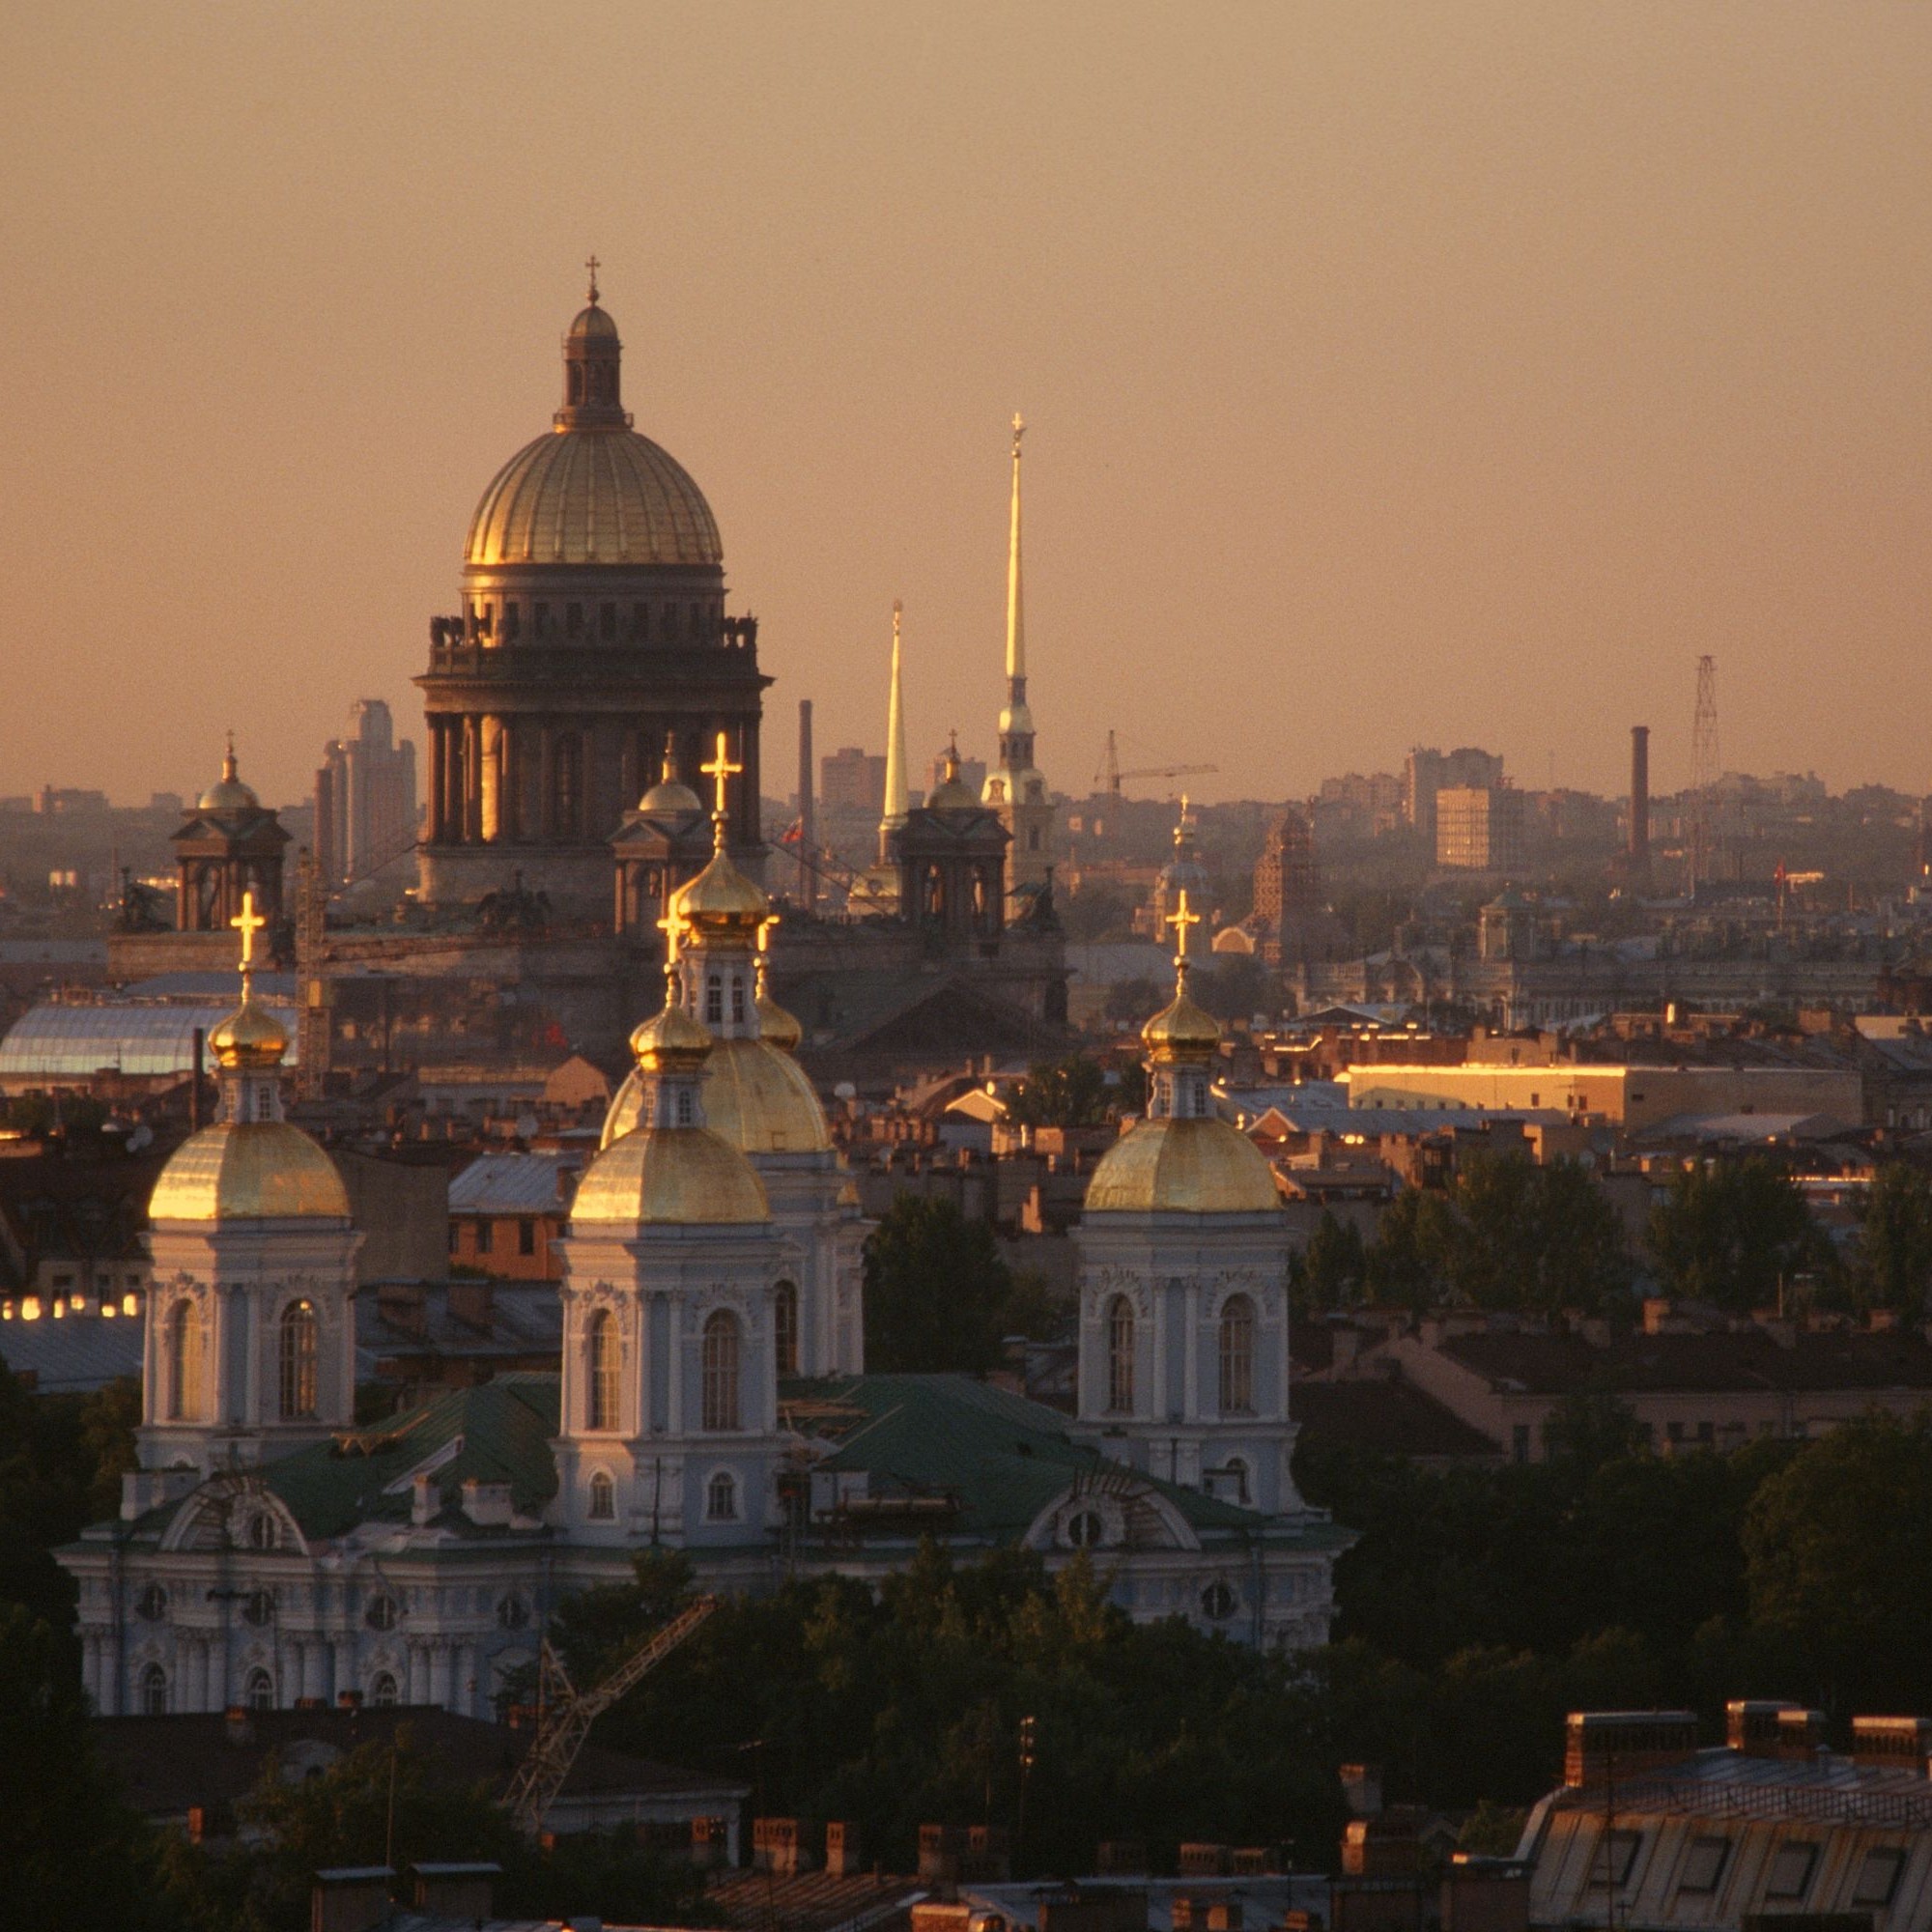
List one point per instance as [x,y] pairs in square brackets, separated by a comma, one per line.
[365,796]
[1425,772]
[1479,829]
[1287,884]
[972,771]
[850,780]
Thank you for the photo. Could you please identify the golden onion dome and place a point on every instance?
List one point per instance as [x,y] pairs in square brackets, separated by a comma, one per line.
[722,902]
[250,1037]
[671,1040]
[776,1027]
[249,1171]
[1181,1030]
[594,493]
[683,1175]
[1183,1167]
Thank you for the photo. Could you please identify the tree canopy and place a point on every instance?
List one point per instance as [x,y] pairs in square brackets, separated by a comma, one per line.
[936,1289]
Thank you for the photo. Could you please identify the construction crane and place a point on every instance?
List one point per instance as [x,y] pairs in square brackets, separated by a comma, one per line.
[568,1712]
[1115,778]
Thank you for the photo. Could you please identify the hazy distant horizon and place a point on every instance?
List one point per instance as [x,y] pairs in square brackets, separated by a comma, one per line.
[1447,376]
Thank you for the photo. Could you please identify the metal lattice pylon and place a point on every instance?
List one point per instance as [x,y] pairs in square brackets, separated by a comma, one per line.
[569,1712]
[1706,767]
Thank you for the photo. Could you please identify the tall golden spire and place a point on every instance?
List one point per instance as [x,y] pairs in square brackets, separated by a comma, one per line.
[1016,600]
[895,815]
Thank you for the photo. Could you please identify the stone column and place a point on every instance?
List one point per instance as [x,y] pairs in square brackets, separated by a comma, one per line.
[195,1666]
[589,820]
[628,787]
[439,1671]
[546,781]
[510,780]
[90,1666]
[472,783]
[345,1664]
[315,1668]
[490,779]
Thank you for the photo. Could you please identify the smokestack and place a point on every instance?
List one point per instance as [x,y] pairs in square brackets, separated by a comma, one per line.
[808,830]
[1639,820]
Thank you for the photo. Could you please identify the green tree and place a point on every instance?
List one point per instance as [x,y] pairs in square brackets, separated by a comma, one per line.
[65,1836]
[1732,1232]
[1838,1547]
[1330,1272]
[1894,1263]
[936,1289]
[1071,1092]
[1536,1235]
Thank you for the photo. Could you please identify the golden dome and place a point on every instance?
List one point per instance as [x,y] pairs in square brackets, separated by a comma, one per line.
[228,793]
[594,322]
[250,1037]
[756,1096]
[671,1040]
[248,1171]
[1181,1030]
[1183,1167]
[687,1176]
[776,1028]
[603,495]
[722,902]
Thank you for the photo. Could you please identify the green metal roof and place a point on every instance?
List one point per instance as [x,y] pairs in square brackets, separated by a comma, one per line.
[1001,1458]
[506,1426]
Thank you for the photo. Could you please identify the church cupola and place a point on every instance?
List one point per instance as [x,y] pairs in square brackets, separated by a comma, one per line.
[1183,1040]
[592,369]
[715,922]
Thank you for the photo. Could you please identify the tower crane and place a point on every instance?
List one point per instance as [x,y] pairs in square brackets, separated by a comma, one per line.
[1115,778]
[568,1712]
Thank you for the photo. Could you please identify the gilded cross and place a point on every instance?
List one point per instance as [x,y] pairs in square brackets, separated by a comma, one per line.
[1181,919]
[248,923]
[674,928]
[593,264]
[1020,430]
[722,769]
[765,925]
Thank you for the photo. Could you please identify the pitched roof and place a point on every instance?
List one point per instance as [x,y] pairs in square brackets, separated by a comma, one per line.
[168,1764]
[505,1427]
[997,1456]
[1388,1415]
[1742,1361]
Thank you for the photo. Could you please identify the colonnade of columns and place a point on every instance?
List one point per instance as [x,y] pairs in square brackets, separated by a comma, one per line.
[546,780]
[206,1672]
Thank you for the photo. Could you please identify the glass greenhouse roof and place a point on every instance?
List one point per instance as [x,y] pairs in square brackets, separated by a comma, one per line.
[71,1042]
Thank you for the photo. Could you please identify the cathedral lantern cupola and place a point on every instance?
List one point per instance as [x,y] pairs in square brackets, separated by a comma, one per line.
[228,845]
[592,368]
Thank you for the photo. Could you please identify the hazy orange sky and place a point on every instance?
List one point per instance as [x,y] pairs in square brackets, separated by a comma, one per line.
[1436,373]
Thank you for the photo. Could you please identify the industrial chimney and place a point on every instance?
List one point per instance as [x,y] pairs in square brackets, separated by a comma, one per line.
[1639,819]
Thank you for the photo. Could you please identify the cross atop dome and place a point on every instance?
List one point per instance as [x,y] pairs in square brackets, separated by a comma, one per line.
[593,264]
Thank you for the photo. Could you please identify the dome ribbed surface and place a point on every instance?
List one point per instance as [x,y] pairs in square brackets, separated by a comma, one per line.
[594,496]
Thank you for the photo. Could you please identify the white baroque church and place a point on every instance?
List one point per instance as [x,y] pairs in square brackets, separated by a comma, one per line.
[712,1396]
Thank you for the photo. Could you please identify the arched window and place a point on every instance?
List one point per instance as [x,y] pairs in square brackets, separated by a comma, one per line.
[721,1498]
[1120,1356]
[737,1000]
[603,1497]
[721,1370]
[260,1609]
[1217,1601]
[1237,1475]
[1238,1355]
[184,1371]
[261,1692]
[381,1688]
[784,1327]
[154,1691]
[262,1532]
[603,1367]
[298,1360]
[1085,1529]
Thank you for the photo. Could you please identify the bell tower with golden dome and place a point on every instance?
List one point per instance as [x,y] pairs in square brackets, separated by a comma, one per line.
[250,1343]
[759,1098]
[593,627]
[1184,1282]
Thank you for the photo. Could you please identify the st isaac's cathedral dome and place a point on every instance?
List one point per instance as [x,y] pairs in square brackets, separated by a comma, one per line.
[592,490]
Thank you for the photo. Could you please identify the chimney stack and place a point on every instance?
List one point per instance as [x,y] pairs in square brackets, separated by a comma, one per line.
[808,828]
[1640,808]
